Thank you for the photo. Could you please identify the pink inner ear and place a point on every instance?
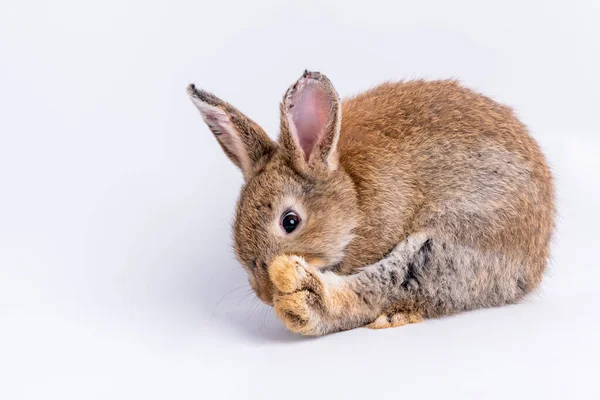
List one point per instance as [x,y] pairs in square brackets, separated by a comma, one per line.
[309,116]
[216,119]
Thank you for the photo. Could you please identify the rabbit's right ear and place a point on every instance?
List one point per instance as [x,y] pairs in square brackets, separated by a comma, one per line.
[242,140]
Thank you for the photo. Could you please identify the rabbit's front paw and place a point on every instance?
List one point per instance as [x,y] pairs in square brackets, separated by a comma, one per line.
[299,300]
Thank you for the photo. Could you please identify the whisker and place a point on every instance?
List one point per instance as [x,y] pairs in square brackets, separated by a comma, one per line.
[265,315]
[249,312]
[261,314]
[255,305]
[224,296]
[248,293]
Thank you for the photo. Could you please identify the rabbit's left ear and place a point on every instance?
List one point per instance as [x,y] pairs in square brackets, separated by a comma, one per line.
[243,141]
[311,116]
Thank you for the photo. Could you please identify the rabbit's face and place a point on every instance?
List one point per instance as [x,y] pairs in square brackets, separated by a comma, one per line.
[296,200]
[283,212]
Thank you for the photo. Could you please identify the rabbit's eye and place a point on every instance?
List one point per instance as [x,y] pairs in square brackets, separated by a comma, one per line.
[290,221]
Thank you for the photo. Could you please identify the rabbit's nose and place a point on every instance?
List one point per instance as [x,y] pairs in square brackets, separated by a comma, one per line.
[264,290]
[265,294]
[260,282]
[266,297]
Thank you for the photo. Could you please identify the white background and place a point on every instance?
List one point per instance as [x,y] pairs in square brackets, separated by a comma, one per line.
[117,279]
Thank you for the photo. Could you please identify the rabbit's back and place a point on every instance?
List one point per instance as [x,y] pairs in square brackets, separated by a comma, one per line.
[436,155]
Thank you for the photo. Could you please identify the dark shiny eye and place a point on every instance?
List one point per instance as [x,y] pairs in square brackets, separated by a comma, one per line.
[290,221]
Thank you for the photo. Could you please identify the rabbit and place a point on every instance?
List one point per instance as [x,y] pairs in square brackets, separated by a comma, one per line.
[409,201]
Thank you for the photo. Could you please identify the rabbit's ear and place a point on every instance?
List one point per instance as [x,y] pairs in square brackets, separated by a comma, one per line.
[310,122]
[242,140]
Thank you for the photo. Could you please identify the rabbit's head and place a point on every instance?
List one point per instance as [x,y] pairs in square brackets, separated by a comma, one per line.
[295,199]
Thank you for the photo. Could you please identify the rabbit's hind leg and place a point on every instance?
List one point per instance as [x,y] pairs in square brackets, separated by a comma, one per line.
[394,318]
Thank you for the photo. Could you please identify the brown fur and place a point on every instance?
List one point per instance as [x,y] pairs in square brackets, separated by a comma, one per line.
[431,167]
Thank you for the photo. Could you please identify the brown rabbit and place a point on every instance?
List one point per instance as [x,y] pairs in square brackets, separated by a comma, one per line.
[425,199]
